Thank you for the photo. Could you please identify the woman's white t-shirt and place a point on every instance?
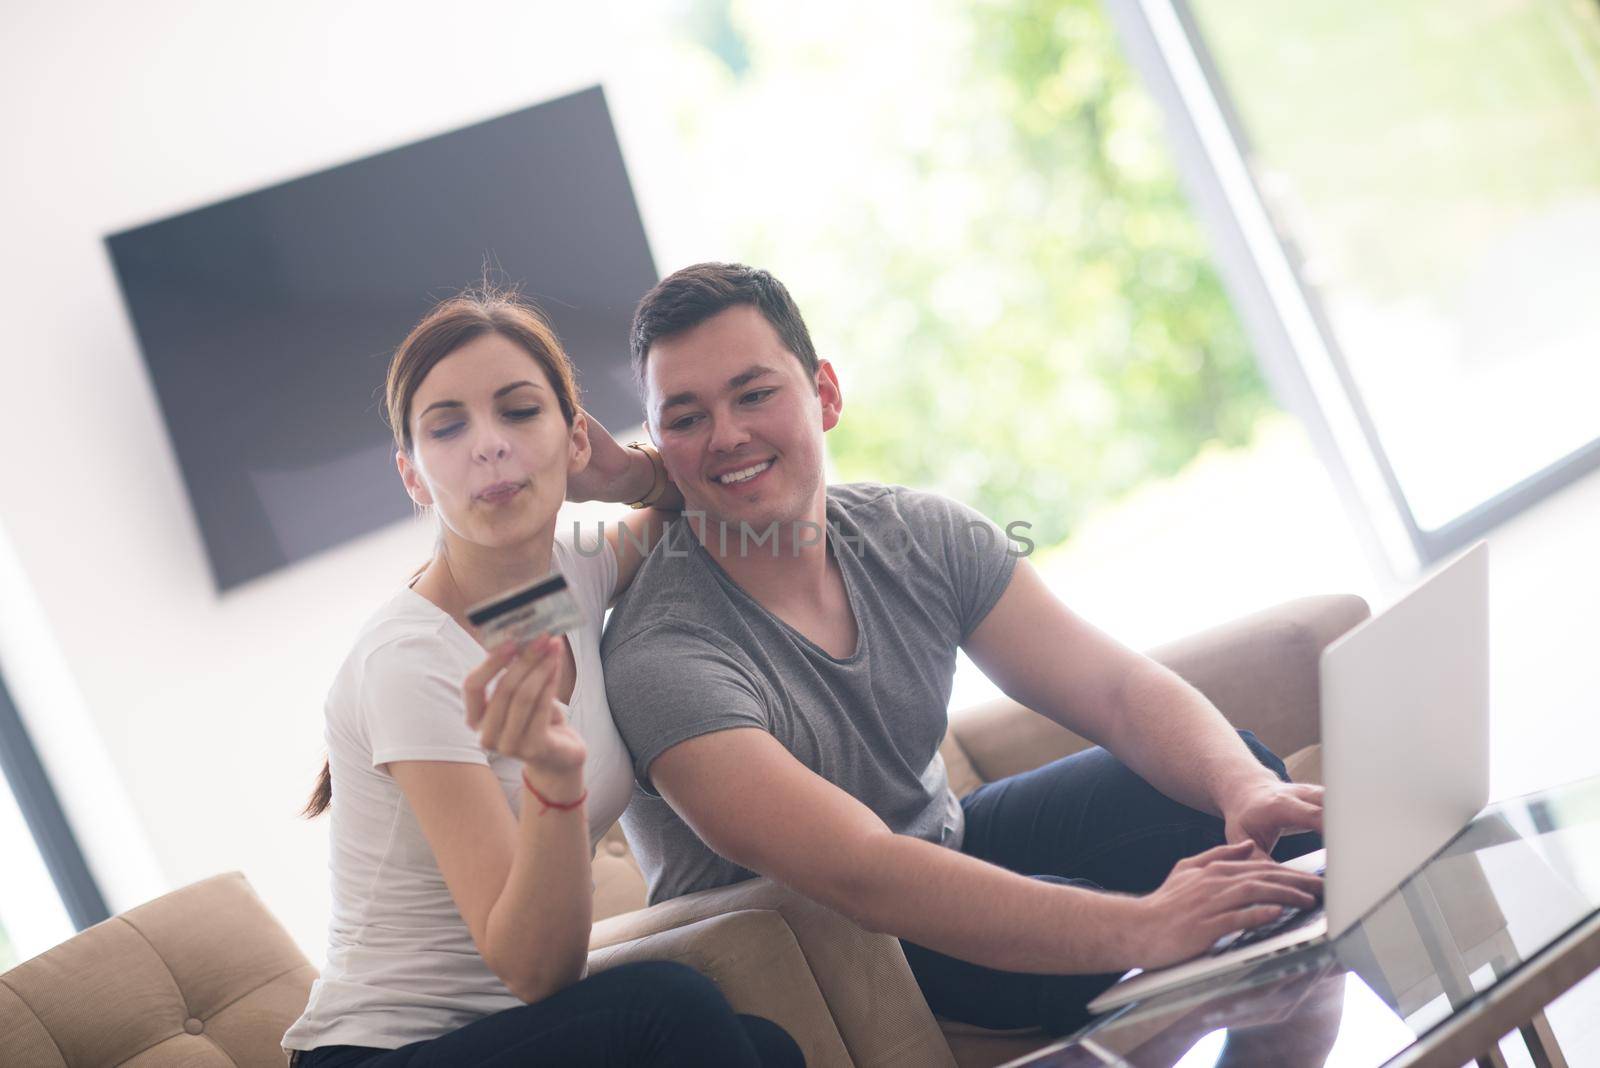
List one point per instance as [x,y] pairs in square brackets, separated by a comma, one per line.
[402,965]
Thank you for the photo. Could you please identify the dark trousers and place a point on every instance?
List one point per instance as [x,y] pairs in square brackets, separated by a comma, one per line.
[1085,820]
[654,1013]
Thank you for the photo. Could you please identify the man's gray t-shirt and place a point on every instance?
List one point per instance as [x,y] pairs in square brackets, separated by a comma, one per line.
[688,652]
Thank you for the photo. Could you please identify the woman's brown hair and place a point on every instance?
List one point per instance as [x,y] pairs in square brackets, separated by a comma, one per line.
[446,328]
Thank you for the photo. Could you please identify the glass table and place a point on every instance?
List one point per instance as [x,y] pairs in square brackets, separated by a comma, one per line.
[1503,920]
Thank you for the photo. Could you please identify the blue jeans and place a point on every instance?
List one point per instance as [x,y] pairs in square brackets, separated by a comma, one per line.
[1084,820]
[653,1013]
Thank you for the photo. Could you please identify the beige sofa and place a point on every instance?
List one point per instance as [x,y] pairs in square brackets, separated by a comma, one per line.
[206,976]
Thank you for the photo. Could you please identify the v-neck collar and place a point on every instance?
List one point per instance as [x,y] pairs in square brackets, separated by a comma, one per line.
[852,596]
[448,618]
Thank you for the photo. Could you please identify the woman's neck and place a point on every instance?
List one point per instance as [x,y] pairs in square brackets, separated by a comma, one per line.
[462,573]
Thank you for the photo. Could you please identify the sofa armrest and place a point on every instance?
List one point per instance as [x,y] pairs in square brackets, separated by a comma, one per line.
[754,959]
[876,1006]
[204,974]
[1259,670]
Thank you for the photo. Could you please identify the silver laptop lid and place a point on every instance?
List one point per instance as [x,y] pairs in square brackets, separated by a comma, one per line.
[1405,734]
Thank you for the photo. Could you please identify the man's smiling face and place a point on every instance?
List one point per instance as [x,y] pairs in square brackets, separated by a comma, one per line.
[739,421]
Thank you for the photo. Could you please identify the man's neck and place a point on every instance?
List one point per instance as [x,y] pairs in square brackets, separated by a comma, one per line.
[789,565]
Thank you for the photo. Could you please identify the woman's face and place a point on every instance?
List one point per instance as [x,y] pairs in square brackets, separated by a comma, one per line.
[490,449]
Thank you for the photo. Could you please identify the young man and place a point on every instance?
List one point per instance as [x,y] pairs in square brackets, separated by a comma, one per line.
[781,668]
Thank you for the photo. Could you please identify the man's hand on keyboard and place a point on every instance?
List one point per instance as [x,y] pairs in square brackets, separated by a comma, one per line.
[1206,896]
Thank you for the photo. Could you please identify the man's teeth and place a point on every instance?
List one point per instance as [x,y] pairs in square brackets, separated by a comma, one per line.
[745,474]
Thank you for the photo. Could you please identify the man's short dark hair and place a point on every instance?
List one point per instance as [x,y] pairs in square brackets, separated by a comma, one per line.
[688,297]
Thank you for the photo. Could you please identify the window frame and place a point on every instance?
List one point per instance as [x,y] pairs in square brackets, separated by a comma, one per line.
[41,809]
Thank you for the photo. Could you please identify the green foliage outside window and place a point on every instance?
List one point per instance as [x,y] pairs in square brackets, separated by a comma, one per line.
[1018,295]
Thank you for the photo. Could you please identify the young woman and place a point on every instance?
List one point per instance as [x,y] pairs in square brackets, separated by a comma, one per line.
[472,783]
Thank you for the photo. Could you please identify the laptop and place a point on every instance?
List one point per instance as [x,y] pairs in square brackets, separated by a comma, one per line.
[1405,759]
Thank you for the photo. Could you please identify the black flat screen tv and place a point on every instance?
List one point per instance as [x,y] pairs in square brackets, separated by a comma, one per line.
[267,320]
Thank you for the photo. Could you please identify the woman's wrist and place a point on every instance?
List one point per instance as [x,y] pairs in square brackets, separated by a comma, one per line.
[554,787]
[640,476]
[611,473]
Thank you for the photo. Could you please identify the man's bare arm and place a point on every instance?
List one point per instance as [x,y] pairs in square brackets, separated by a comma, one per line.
[1046,657]
[752,802]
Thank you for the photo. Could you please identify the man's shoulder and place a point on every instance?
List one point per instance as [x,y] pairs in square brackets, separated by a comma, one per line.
[901,513]
[854,495]
[672,592]
[891,496]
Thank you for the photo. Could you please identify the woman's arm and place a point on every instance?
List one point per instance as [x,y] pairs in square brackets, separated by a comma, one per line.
[521,883]
[617,473]
[632,535]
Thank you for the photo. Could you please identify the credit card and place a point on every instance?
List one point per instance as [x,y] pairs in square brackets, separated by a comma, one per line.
[543,606]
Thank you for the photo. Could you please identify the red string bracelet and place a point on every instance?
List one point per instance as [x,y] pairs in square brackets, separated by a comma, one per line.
[564,806]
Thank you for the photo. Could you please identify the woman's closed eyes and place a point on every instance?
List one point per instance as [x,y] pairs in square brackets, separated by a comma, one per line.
[516,414]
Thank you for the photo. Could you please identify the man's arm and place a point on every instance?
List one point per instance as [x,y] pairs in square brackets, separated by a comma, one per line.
[752,802]
[1046,657]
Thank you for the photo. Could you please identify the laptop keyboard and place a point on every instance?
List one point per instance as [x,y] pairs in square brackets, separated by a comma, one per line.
[1292,917]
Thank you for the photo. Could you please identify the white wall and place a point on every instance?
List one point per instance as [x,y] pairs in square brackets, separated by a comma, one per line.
[184,729]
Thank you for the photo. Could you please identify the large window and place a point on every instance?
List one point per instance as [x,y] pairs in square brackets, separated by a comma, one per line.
[1430,174]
